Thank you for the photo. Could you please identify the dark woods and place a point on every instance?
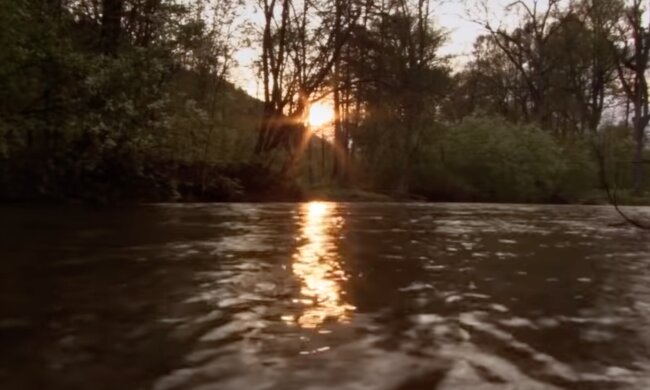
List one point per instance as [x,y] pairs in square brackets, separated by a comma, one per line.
[135,100]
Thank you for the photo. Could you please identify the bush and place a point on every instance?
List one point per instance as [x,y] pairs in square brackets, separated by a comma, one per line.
[500,161]
[490,159]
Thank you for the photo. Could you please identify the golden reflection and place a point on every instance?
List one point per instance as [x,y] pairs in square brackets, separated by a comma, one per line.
[316,265]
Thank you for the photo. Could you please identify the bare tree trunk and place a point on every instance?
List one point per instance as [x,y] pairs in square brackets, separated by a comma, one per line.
[632,64]
[640,123]
[338,166]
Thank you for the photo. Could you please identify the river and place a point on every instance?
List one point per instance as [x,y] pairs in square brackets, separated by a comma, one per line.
[323,296]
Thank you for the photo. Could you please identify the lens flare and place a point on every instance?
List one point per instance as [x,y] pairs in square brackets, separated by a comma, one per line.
[320,114]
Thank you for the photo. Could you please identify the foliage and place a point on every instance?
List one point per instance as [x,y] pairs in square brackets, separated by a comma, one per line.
[491,159]
[120,100]
[153,119]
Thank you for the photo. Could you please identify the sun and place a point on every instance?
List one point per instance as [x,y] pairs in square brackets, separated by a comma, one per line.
[320,114]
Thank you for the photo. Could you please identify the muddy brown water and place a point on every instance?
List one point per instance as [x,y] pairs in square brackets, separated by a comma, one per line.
[323,296]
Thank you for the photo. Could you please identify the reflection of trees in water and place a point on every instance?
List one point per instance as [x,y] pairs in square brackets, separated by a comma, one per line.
[316,264]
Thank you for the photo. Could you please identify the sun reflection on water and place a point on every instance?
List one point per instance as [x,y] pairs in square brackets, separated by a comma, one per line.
[316,264]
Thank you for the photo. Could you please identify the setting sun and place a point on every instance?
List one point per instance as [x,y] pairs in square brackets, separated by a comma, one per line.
[320,114]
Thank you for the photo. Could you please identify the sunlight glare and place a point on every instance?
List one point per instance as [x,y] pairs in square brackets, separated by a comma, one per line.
[320,114]
[317,266]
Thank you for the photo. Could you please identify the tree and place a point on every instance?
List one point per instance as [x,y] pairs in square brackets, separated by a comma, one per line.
[633,53]
[526,47]
[489,83]
[299,50]
[402,82]
[561,56]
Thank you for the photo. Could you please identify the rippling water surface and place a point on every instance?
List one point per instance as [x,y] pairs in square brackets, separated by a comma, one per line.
[323,296]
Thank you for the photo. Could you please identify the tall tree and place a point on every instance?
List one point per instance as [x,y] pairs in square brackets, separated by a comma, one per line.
[299,50]
[633,54]
[527,48]
[403,80]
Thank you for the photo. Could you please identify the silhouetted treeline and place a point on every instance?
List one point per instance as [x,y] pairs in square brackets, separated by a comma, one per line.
[135,100]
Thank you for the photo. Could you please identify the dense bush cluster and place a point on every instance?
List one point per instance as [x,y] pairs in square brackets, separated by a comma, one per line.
[490,159]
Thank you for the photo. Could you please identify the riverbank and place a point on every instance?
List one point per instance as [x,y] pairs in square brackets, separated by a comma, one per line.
[294,194]
[156,181]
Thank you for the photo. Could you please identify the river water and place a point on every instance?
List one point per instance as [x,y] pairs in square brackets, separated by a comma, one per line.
[323,296]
